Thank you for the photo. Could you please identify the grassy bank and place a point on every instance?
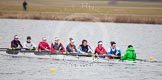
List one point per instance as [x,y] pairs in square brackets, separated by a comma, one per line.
[102,11]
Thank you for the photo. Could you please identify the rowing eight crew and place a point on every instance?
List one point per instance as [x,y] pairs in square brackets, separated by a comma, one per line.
[57,46]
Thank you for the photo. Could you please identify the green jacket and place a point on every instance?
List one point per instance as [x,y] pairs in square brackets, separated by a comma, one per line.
[130,55]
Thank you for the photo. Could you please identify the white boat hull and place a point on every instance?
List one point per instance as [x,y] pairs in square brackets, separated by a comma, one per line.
[67,57]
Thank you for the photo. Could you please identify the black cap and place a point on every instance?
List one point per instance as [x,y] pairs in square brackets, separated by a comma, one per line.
[28,37]
[112,42]
[71,39]
[99,42]
[130,46]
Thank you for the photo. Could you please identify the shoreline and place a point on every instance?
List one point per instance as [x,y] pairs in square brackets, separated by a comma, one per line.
[85,17]
[85,10]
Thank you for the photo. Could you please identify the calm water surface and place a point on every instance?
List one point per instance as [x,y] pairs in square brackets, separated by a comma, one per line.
[146,38]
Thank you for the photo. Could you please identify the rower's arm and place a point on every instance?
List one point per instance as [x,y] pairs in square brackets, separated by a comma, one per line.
[104,50]
[90,49]
[118,51]
[80,49]
[20,44]
[24,45]
[48,47]
[97,51]
[109,51]
[62,47]
[124,57]
[33,45]
[134,57]
[41,46]
[75,49]
[68,48]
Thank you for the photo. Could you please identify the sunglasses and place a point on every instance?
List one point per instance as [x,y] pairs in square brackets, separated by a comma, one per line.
[44,40]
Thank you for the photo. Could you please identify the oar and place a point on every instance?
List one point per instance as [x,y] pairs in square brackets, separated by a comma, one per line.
[144,60]
[12,48]
[150,61]
[3,48]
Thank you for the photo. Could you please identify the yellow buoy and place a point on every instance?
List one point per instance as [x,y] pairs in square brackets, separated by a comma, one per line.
[152,58]
[52,70]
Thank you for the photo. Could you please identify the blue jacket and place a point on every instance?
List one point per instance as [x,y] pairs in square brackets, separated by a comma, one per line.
[114,51]
[85,49]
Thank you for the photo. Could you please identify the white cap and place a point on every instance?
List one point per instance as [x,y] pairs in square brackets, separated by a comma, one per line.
[56,38]
[44,38]
[100,43]
[114,45]
[16,36]
[72,40]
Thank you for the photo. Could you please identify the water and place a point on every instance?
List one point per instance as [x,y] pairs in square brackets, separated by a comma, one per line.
[145,37]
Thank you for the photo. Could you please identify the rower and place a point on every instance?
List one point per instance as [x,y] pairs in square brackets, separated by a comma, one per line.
[57,46]
[16,43]
[43,45]
[100,50]
[114,51]
[84,47]
[130,54]
[29,45]
[71,46]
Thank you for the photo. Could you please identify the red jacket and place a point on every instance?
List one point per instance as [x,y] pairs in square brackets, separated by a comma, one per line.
[43,46]
[100,51]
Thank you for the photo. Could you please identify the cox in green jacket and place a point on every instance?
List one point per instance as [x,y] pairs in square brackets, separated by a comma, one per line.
[130,54]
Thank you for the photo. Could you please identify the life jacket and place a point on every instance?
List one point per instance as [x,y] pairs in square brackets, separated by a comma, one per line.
[113,52]
[84,48]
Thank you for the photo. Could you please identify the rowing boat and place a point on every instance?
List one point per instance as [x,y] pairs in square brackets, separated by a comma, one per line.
[57,55]
[90,57]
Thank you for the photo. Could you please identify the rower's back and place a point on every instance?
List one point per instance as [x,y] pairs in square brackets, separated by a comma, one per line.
[130,54]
